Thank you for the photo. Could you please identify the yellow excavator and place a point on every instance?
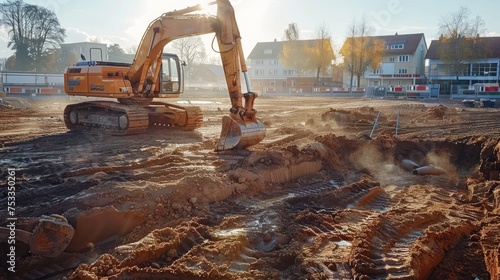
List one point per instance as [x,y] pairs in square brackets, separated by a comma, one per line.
[151,75]
[154,74]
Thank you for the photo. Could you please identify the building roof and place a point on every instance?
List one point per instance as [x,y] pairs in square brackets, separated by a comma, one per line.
[266,50]
[83,44]
[217,70]
[272,50]
[492,42]
[411,42]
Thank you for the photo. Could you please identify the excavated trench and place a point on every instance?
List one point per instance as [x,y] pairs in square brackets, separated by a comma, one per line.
[335,208]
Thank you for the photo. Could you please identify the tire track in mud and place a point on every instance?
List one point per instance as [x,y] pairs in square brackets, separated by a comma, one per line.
[321,231]
[55,268]
[242,234]
[168,160]
[409,244]
[50,178]
[232,238]
[482,126]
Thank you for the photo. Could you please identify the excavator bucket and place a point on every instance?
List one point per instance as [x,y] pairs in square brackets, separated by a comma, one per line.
[51,236]
[238,134]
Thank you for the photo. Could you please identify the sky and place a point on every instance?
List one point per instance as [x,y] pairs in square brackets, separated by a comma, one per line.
[124,22]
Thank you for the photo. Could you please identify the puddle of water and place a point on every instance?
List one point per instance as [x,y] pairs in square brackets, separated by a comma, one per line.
[257,224]
[335,183]
[14,164]
[343,243]
[225,233]
[194,268]
[238,266]
[197,102]
[274,200]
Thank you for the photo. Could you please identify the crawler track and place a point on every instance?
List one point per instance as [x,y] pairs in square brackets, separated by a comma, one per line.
[108,117]
[125,119]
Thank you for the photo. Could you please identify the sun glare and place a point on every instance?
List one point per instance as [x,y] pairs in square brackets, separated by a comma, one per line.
[206,4]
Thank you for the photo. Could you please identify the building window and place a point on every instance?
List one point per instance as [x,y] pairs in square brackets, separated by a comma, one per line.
[272,83]
[259,72]
[392,59]
[274,61]
[450,70]
[259,62]
[403,71]
[404,58]
[273,72]
[397,46]
[268,51]
[378,71]
[294,83]
[484,69]
[287,72]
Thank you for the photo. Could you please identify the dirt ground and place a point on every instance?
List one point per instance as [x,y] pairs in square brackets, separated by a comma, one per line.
[318,198]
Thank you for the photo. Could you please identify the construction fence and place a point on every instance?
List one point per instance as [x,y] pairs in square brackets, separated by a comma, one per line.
[403,92]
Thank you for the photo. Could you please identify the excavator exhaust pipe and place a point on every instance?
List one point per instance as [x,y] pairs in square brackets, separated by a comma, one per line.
[238,134]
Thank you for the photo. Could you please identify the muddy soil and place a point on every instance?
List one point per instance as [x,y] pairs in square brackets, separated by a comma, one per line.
[326,195]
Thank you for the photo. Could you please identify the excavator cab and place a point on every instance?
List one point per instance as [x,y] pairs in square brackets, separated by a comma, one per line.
[172,76]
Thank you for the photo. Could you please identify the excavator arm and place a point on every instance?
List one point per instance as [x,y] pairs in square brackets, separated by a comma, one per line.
[241,128]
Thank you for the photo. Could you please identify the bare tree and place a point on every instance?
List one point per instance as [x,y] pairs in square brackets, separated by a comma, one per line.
[293,53]
[361,50]
[189,49]
[459,43]
[33,30]
[292,32]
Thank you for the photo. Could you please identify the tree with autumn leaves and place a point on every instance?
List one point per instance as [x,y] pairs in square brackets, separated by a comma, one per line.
[459,43]
[306,55]
[361,50]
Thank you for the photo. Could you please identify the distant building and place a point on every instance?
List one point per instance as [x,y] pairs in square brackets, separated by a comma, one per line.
[206,77]
[35,83]
[403,62]
[73,52]
[269,75]
[483,71]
